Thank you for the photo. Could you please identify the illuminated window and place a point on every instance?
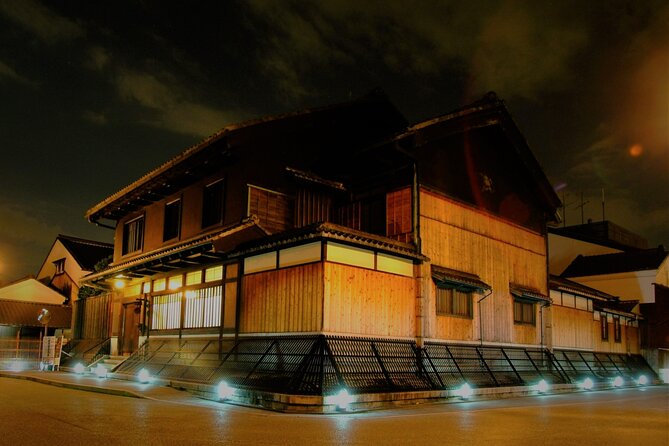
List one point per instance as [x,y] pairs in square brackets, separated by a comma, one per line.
[172,222]
[159,285]
[604,325]
[617,331]
[146,288]
[451,302]
[175,282]
[194,278]
[166,312]
[524,312]
[214,273]
[212,204]
[133,235]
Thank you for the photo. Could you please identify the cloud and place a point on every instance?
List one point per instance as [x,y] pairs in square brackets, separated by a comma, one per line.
[41,21]
[514,47]
[21,224]
[94,117]
[98,58]
[8,72]
[172,105]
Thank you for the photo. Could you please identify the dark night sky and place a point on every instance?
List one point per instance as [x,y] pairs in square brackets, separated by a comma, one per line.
[95,94]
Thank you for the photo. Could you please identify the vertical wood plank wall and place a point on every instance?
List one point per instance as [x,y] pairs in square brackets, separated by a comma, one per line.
[459,237]
[572,328]
[366,302]
[629,339]
[284,300]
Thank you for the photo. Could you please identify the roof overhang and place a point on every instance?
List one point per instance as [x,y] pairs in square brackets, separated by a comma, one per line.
[459,280]
[204,249]
[526,293]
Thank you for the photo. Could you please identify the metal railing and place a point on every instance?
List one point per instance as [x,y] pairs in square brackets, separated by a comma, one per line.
[319,365]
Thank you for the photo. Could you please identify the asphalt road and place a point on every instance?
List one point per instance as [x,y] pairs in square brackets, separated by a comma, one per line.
[39,414]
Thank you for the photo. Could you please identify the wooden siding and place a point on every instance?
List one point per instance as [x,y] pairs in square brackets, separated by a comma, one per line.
[285,300]
[274,209]
[572,328]
[460,237]
[93,317]
[629,339]
[366,302]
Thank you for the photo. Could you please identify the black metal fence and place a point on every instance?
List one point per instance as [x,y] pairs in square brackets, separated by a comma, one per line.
[320,365]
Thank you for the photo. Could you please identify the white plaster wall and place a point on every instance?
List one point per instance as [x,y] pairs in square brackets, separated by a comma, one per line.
[563,250]
[636,285]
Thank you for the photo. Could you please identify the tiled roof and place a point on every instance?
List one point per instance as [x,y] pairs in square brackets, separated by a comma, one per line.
[458,278]
[523,291]
[561,284]
[24,314]
[86,252]
[642,260]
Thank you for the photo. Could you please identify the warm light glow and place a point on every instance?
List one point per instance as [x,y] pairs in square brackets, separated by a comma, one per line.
[636,150]
[587,384]
[342,399]
[79,368]
[642,380]
[119,283]
[224,390]
[100,371]
[464,391]
[617,381]
[144,376]
[175,282]
[542,386]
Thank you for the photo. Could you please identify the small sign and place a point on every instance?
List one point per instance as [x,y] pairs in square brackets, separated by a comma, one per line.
[52,347]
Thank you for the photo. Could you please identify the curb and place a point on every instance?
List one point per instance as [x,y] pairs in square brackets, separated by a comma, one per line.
[75,386]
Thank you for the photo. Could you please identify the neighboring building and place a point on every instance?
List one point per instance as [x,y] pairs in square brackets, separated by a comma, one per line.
[338,246]
[70,259]
[30,289]
[593,238]
[639,277]
[20,319]
[631,274]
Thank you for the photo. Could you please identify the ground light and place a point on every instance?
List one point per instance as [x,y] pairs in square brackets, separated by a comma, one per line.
[617,381]
[587,384]
[144,376]
[542,386]
[342,399]
[224,390]
[79,368]
[100,371]
[464,391]
[642,381]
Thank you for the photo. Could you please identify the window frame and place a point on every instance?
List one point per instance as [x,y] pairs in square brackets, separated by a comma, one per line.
[454,293]
[519,317]
[138,245]
[175,232]
[617,329]
[212,217]
[604,326]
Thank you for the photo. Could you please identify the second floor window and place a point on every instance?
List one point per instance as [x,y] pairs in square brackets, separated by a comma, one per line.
[604,323]
[212,204]
[523,312]
[60,266]
[133,235]
[451,302]
[617,331]
[398,215]
[172,222]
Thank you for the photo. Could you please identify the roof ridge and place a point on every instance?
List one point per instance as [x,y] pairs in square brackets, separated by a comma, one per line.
[85,241]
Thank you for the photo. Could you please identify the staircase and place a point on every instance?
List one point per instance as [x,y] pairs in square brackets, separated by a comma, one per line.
[110,362]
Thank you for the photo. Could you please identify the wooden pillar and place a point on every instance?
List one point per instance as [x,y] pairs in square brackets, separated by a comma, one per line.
[423,314]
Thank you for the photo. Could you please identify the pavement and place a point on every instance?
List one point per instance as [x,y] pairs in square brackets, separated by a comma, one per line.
[110,386]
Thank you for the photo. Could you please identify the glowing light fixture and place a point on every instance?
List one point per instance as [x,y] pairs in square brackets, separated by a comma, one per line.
[342,399]
[224,390]
[542,386]
[464,391]
[643,380]
[144,376]
[100,371]
[119,283]
[79,368]
[587,384]
[618,381]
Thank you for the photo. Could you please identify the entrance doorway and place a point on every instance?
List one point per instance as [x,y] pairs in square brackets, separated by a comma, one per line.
[130,328]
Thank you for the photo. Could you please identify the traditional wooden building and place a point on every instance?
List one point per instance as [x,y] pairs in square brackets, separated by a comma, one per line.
[337,247]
